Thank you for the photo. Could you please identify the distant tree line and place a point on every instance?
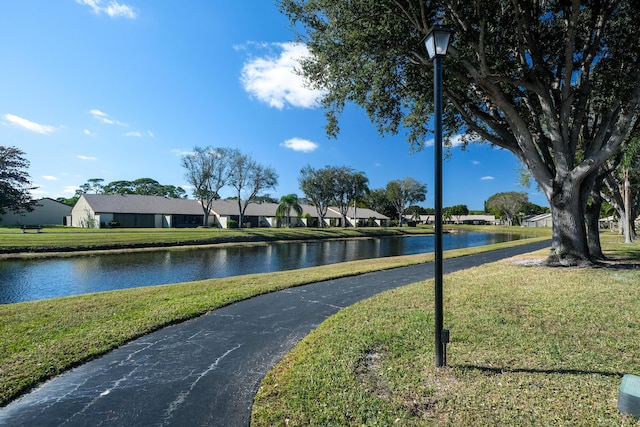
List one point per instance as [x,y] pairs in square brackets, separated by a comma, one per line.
[142,186]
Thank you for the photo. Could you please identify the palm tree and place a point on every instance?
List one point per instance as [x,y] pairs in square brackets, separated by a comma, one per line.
[287,203]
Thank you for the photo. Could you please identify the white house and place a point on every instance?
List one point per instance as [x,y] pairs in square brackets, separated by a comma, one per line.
[46,212]
[542,220]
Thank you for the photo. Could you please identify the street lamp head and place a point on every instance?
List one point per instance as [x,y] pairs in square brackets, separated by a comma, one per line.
[437,41]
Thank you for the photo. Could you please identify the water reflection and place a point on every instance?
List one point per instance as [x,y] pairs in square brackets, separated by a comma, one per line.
[24,280]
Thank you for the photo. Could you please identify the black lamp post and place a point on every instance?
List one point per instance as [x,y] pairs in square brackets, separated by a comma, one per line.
[437,43]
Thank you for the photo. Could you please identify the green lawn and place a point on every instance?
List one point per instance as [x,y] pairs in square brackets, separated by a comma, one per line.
[40,339]
[530,346]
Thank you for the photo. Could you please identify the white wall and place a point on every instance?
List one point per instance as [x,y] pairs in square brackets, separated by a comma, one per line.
[82,216]
[47,211]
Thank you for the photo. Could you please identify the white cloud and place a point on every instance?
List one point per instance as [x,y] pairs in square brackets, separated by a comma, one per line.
[113,9]
[475,162]
[81,157]
[456,141]
[273,80]
[50,178]
[29,125]
[104,118]
[138,134]
[487,178]
[88,132]
[116,9]
[299,144]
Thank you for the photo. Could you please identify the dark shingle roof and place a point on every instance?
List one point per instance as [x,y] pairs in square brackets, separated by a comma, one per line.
[134,203]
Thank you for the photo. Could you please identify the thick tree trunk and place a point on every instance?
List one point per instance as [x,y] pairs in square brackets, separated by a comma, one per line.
[592,218]
[569,242]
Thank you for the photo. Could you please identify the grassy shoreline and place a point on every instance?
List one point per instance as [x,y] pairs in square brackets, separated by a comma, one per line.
[530,346]
[41,339]
[63,240]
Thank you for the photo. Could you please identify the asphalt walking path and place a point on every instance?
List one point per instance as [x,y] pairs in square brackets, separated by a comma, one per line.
[206,371]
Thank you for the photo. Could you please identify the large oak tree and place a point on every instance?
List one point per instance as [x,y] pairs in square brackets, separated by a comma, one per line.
[556,82]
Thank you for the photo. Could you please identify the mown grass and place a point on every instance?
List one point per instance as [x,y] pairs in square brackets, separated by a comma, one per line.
[530,346]
[40,339]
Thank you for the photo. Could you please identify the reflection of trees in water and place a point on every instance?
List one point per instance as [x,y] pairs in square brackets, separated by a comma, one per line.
[27,280]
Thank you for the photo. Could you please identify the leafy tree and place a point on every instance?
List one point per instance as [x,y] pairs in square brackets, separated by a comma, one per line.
[404,192]
[376,200]
[317,186]
[557,83]
[249,177]
[287,204]
[348,185]
[15,183]
[145,187]
[93,185]
[119,187]
[507,205]
[207,171]
[458,211]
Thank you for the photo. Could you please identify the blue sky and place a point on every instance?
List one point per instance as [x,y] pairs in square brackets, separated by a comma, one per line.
[120,90]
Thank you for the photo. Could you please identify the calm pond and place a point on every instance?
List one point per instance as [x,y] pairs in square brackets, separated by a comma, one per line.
[26,280]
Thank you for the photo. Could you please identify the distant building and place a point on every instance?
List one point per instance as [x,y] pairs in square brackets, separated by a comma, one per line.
[46,212]
[461,219]
[542,220]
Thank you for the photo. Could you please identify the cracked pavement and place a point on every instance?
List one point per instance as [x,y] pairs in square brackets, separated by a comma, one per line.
[205,371]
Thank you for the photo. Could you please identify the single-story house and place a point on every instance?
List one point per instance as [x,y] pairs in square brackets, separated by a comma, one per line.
[542,220]
[46,212]
[133,210]
[264,215]
[129,210]
[462,219]
[362,217]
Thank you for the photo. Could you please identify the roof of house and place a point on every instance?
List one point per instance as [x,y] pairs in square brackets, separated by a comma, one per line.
[535,218]
[139,204]
[362,213]
[230,207]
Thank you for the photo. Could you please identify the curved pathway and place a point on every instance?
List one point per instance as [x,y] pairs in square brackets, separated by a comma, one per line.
[205,372]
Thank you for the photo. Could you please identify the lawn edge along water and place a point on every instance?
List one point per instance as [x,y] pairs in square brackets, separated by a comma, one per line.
[41,339]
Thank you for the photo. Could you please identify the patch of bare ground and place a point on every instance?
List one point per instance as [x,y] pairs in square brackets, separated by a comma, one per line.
[370,371]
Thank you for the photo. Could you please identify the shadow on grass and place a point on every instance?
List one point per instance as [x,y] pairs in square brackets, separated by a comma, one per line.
[499,371]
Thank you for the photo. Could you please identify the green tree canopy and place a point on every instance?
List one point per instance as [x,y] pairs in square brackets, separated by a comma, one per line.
[507,205]
[556,82]
[15,183]
[287,204]
[404,192]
